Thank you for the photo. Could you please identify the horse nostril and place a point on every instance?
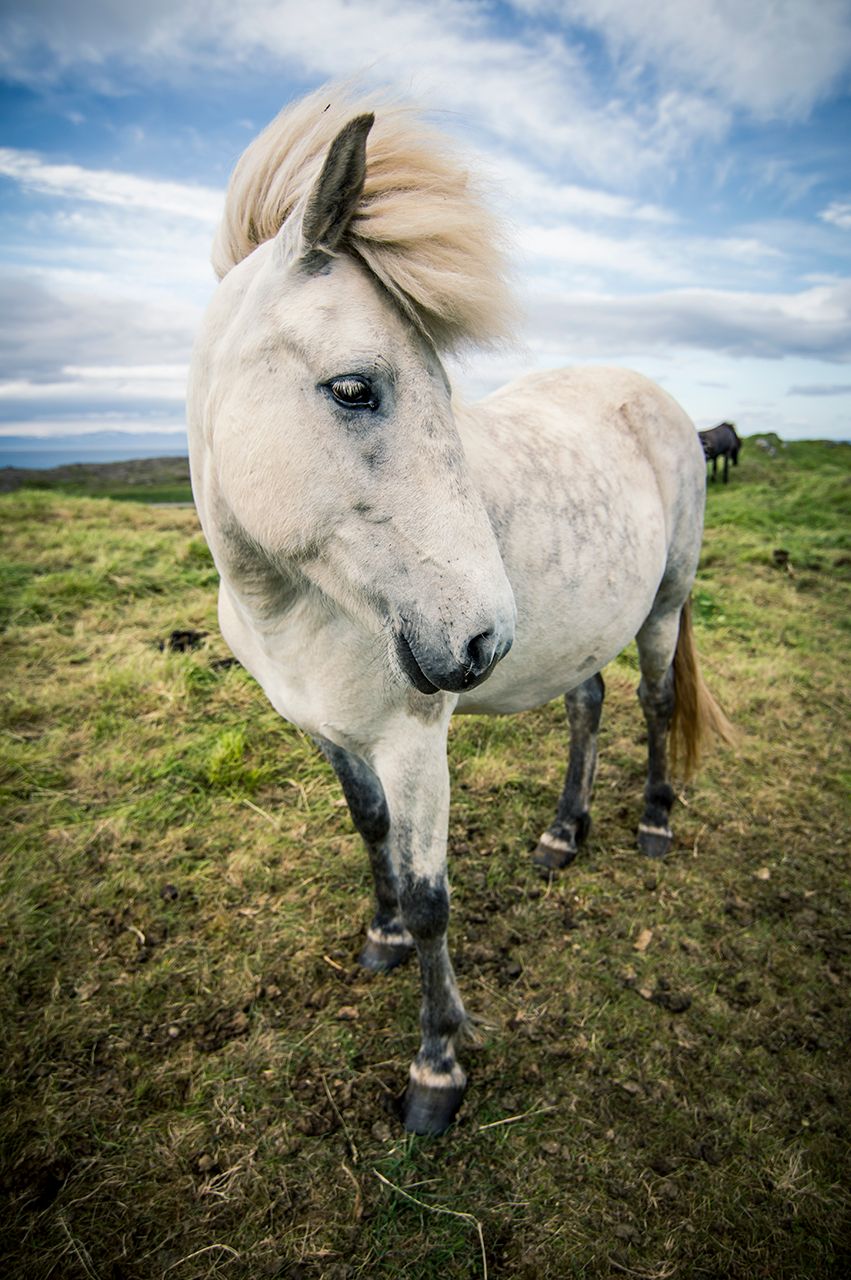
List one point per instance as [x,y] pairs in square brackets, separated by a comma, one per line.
[480,654]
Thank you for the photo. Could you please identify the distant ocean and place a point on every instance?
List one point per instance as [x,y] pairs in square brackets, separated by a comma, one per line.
[99,446]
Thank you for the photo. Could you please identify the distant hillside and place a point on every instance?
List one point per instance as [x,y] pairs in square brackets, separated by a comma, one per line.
[142,479]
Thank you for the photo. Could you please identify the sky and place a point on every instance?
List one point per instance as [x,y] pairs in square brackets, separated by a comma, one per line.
[676,180]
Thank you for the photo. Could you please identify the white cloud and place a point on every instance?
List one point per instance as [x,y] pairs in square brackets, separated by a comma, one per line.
[529,86]
[838,212]
[46,328]
[529,89]
[150,372]
[815,323]
[87,33]
[522,189]
[128,424]
[131,386]
[623,257]
[579,256]
[105,186]
[773,58]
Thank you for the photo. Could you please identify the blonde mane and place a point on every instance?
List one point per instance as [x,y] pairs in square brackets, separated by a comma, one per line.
[421,227]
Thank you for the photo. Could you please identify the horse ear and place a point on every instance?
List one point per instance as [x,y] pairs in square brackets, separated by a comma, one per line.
[339,187]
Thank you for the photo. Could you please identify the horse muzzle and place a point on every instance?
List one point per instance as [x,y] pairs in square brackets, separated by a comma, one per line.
[429,669]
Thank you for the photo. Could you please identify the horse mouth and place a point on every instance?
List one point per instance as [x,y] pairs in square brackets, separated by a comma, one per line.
[411,667]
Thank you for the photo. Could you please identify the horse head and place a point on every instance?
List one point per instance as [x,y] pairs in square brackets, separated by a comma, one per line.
[331,446]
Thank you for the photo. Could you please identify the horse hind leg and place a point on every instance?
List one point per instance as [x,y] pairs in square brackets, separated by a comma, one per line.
[559,844]
[657,643]
[388,942]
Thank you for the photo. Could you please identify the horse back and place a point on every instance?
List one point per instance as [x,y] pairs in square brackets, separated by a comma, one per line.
[577,424]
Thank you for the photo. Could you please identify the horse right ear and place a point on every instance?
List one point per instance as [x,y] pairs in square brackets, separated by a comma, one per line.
[335,195]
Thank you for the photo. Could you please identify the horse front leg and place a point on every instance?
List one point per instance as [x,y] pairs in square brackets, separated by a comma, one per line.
[559,844]
[388,942]
[437,1081]
[415,778]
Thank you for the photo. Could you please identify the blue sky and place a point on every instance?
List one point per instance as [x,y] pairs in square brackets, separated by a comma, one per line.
[677,179]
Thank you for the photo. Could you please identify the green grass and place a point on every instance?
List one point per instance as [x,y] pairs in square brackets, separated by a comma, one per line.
[198,1081]
[152,493]
[161,493]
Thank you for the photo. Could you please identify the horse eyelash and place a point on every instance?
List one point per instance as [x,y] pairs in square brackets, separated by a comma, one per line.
[346,385]
[353,384]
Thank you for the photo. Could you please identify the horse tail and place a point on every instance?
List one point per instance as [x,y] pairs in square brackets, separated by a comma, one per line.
[697,716]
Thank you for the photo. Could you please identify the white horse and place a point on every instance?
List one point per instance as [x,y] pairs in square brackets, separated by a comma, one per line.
[382,548]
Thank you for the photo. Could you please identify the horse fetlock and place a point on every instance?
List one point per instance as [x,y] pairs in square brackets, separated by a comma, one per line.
[440,1023]
[659,795]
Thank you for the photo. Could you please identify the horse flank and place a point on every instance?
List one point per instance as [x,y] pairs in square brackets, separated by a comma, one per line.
[420,226]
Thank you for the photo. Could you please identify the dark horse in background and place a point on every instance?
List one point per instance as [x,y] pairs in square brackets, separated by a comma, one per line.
[721,442]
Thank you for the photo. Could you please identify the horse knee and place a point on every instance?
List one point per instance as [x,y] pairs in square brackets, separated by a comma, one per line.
[585,705]
[425,907]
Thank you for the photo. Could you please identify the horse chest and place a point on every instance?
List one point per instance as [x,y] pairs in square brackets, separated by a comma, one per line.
[308,665]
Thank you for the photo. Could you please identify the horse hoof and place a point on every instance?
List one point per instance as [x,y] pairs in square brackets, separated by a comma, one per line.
[430,1108]
[654,842]
[553,854]
[381,957]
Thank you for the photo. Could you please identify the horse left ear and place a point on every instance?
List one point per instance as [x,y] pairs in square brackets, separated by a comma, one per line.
[335,195]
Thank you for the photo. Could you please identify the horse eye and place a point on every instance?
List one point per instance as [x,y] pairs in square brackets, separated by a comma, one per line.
[353,393]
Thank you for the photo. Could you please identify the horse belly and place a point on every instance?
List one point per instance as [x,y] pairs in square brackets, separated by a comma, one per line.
[583,530]
[569,625]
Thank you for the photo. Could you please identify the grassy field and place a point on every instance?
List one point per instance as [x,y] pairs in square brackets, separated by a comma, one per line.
[198,1080]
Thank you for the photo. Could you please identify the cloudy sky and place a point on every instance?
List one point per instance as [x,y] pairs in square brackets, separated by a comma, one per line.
[677,178]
